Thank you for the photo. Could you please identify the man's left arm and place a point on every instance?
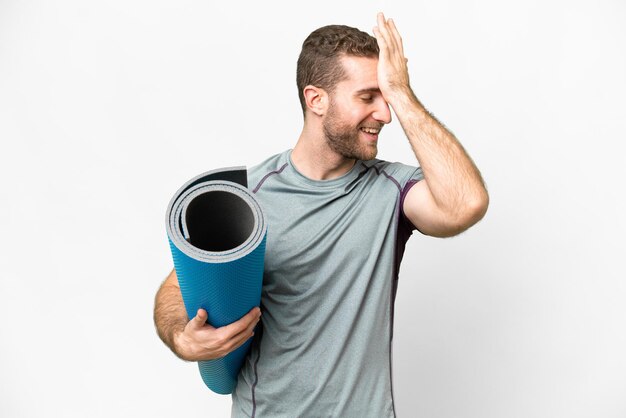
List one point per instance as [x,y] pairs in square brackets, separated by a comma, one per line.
[453,196]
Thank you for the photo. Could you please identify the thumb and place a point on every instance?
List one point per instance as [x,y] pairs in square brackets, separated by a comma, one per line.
[199,320]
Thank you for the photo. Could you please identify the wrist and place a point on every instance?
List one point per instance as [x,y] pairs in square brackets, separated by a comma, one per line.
[180,345]
[401,96]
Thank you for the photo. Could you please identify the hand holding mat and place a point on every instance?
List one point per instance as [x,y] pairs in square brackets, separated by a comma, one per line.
[217,235]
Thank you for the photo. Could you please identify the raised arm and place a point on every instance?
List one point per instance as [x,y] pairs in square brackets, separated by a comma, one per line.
[194,340]
[452,196]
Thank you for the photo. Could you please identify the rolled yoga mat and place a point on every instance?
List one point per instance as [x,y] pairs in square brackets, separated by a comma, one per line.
[217,234]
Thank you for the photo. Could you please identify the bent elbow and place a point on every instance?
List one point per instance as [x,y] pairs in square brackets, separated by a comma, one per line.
[480,206]
[475,211]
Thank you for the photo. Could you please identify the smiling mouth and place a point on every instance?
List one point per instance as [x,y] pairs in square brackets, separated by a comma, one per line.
[371,131]
[371,134]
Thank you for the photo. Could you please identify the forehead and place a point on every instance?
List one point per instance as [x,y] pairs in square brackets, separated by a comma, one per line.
[361,73]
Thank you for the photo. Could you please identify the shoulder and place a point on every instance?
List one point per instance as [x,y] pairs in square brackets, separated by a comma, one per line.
[260,171]
[397,172]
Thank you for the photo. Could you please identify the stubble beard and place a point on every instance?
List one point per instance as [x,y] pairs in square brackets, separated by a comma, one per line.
[343,138]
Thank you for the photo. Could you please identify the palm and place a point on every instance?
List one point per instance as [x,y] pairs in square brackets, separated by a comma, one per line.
[393,72]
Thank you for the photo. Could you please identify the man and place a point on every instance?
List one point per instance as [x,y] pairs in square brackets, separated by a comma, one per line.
[338,220]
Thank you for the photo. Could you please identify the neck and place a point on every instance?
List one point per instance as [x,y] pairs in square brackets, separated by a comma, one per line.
[315,159]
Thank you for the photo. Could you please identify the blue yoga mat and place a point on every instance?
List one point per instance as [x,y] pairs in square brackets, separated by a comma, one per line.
[217,234]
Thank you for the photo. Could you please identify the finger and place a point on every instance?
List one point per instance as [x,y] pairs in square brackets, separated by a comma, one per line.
[239,341]
[246,333]
[382,23]
[391,37]
[252,325]
[385,29]
[382,45]
[242,324]
[382,27]
[199,320]
[396,35]
[234,341]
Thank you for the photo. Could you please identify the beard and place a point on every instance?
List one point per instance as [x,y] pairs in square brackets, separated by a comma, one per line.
[343,138]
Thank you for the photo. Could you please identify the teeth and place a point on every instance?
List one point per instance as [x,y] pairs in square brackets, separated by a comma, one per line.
[370,130]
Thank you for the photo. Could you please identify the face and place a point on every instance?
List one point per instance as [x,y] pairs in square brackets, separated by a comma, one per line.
[357,111]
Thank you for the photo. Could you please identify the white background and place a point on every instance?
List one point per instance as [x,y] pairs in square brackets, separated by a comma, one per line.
[106,108]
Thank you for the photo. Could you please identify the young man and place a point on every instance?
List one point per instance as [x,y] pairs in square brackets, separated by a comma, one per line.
[338,220]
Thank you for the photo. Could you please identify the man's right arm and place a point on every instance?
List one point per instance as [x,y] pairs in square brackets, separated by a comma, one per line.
[194,339]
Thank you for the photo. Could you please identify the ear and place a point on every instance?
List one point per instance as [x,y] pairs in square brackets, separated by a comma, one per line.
[316,99]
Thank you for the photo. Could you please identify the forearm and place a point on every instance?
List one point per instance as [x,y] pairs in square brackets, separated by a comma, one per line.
[453,179]
[170,316]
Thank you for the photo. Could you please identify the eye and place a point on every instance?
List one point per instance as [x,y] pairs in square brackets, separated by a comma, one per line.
[366,98]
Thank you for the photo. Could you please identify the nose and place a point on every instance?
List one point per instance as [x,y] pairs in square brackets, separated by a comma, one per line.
[382,113]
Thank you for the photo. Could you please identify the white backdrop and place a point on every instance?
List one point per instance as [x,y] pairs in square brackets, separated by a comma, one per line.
[106,108]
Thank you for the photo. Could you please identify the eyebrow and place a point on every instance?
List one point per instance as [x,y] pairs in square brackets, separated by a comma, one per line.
[367,90]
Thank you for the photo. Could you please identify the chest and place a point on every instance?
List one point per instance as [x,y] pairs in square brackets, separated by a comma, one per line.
[315,237]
